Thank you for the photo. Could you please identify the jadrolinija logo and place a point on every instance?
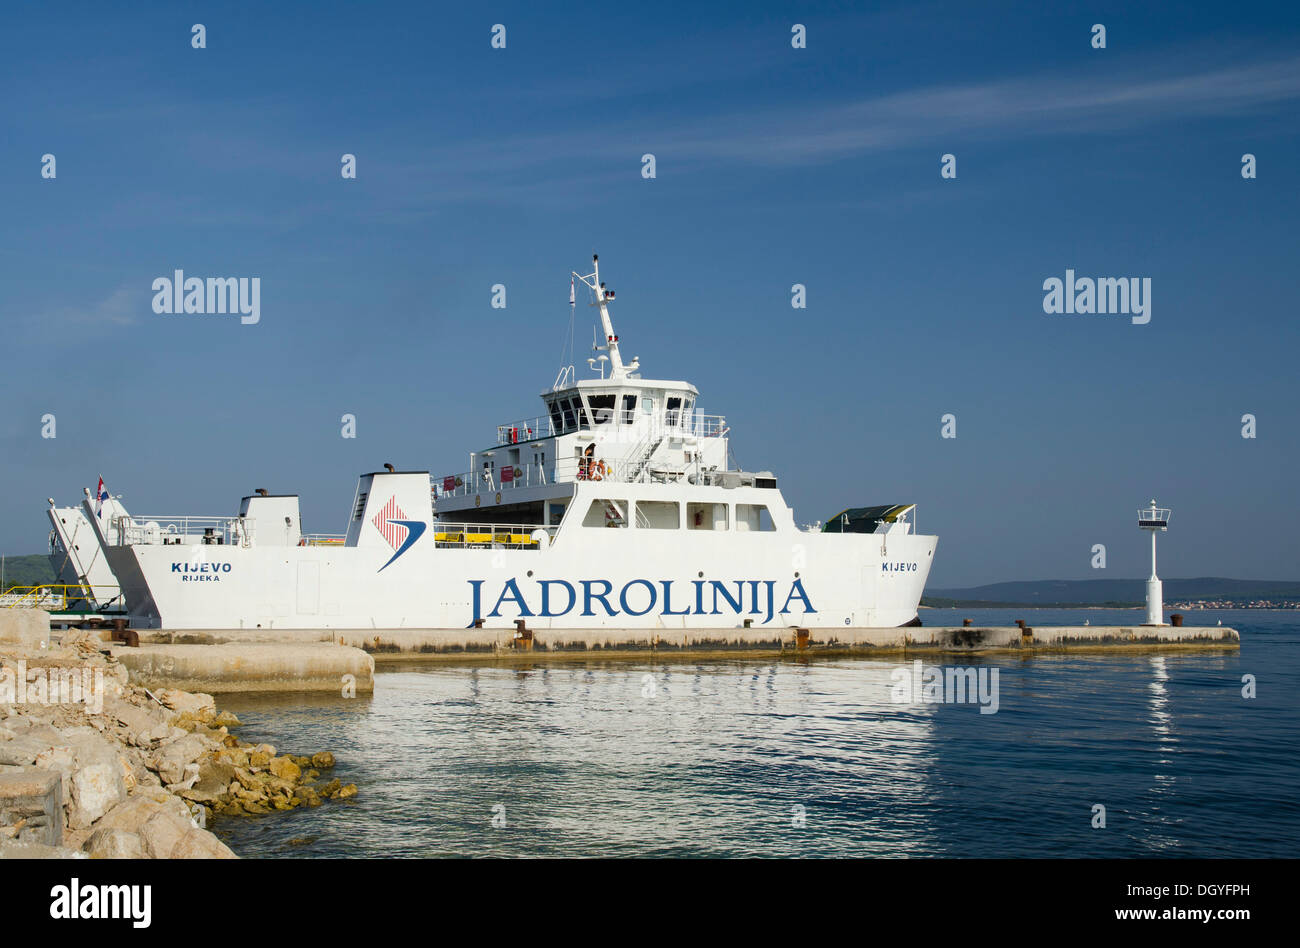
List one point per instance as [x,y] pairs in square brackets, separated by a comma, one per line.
[399,532]
[553,598]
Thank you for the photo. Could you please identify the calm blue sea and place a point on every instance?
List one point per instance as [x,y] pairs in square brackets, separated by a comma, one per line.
[807,758]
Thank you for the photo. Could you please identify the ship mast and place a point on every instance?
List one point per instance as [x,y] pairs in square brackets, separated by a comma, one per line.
[604,297]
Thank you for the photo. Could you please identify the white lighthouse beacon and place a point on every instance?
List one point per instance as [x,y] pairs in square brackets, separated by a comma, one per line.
[1155,519]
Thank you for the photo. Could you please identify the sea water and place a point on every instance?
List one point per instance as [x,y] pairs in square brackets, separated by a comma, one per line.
[1087,755]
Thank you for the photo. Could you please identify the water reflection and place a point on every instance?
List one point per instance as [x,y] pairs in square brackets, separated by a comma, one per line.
[713,758]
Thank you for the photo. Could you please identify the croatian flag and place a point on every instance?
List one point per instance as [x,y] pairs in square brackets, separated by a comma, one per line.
[101,495]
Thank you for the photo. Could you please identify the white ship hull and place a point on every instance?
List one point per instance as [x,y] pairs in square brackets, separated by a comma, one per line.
[586,578]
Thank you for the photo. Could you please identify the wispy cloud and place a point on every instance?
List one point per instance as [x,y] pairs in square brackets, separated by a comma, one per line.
[1011,108]
[124,306]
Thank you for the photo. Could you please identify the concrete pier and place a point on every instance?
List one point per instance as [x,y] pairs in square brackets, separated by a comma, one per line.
[249,666]
[244,660]
[459,645]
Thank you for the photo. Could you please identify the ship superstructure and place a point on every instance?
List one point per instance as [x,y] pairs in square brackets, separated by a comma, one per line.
[615,507]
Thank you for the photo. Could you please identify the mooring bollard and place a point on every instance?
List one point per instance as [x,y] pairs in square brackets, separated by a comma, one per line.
[966,623]
[800,638]
[523,636]
[128,637]
[1176,619]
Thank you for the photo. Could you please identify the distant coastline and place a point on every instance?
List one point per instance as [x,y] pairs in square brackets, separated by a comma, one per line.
[927,603]
[1206,592]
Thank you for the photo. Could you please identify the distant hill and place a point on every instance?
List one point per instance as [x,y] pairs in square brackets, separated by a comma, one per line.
[1097,592]
[27,570]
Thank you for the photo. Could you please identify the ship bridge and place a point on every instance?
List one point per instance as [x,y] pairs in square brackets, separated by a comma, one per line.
[617,427]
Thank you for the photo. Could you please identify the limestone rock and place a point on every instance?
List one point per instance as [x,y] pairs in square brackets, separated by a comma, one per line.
[162,832]
[200,844]
[62,761]
[172,758]
[140,724]
[212,785]
[10,850]
[132,814]
[201,706]
[97,783]
[322,761]
[285,768]
[235,756]
[189,777]
[23,750]
[114,844]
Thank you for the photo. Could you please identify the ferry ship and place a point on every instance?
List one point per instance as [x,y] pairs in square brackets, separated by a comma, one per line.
[616,507]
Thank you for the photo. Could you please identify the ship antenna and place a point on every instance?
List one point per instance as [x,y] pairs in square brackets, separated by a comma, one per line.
[603,298]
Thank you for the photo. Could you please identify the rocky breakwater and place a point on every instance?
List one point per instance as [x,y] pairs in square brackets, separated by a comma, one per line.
[91,765]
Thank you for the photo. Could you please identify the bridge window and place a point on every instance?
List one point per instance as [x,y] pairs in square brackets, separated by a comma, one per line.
[658,514]
[602,407]
[568,413]
[755,517]
[706,516]
[674,405]
[606,513]
[557,420]
[629,406]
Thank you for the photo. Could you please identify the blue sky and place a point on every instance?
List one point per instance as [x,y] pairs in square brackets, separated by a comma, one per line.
[775,166]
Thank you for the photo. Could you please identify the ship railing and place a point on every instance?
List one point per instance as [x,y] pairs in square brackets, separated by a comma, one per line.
[494,536]
[181,531]
[674,423]
[526,430]
[630,470]
[511,477]
[700,425]
[638,464]
[56,597]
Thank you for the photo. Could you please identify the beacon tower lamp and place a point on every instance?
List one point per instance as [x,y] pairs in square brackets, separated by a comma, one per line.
[1156,520]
